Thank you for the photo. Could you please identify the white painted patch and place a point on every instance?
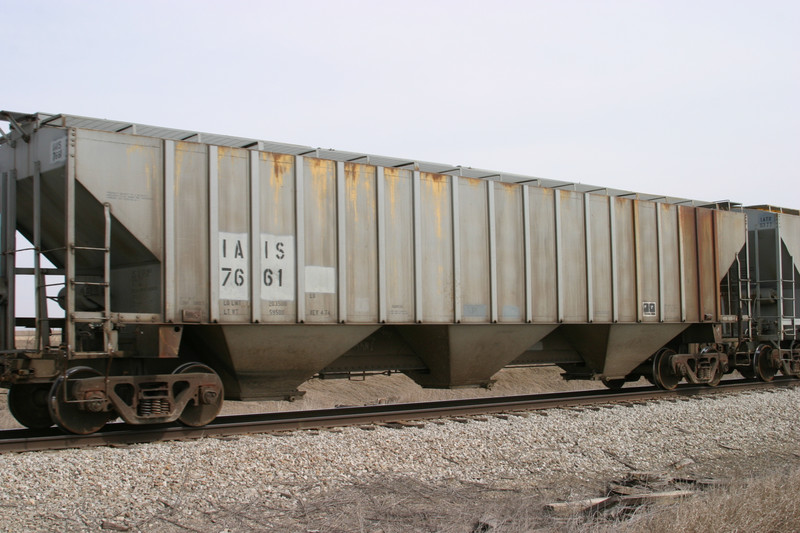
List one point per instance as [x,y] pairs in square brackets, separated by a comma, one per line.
[277,267]
[233,266]
[321,279]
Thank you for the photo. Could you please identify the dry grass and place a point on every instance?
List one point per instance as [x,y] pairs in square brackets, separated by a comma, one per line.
[767,503]
[403,505]
[763,503]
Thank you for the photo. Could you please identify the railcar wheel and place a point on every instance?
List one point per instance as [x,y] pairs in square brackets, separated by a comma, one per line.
[762,363]
[209,401]
[28,404]
[613,384]
[719,372]
[70,415]
[717,376]
[664,375]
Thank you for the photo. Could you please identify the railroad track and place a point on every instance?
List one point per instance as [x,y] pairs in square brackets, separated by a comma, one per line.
[118,433]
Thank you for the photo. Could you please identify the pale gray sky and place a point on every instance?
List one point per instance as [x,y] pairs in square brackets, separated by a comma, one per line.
[696,99]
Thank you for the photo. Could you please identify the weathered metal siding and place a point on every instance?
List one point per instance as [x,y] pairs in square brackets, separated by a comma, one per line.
[319,241]
[544,280]
[190,204]
[436,248]
[686,217]
[232,278]
[707,266]
[277,250]
[625,298]
[571,255]
[510,249]
[473,289]
[670,309]
[646,235]
[361,243]
[400,260]
[241,235]
[601,259]
[252,236]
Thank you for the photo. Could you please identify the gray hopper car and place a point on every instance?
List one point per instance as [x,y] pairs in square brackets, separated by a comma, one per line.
[194,267]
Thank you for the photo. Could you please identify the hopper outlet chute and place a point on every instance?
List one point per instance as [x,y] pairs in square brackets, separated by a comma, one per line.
[614,350]
[468,355]
[269,362]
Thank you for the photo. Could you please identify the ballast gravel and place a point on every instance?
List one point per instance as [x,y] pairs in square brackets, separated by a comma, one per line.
[194,485]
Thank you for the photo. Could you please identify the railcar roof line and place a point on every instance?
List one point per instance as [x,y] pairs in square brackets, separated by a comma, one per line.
[25,123]
[775,209]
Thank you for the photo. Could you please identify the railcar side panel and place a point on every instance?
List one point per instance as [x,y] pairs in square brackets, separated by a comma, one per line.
[436,235]
[690,271]
[543,254]
[399,216]
[473,287]
[670,263]
[706,265]
[510,252]
[191,244]
[233,276]
[625,260]
[361,244]
[572,256]
[647,272]
[600,240]
[277,250]
[320,242]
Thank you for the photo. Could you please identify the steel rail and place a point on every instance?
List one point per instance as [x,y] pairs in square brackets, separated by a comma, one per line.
[21,440]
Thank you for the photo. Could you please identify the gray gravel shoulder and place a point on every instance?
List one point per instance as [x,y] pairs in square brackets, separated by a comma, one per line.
[561,453]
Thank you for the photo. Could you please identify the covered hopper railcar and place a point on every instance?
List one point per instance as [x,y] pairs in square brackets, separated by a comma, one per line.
[194,267]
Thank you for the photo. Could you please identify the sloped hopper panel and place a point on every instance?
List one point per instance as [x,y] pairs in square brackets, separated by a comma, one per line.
[89,226]
[790,233]
[270,362]
[614,350]
[731,237]
[468,355]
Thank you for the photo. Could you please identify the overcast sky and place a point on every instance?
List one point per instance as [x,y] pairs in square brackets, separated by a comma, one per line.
[691,99]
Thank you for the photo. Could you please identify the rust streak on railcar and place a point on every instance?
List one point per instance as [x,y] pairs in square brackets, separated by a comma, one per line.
[282,166]
[358,182]
[180,155]
[706,265]
[391,175]
[436,186]
[321,170]
[688,237]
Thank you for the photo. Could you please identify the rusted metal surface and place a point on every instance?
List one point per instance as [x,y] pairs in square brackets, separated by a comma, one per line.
[259,250]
